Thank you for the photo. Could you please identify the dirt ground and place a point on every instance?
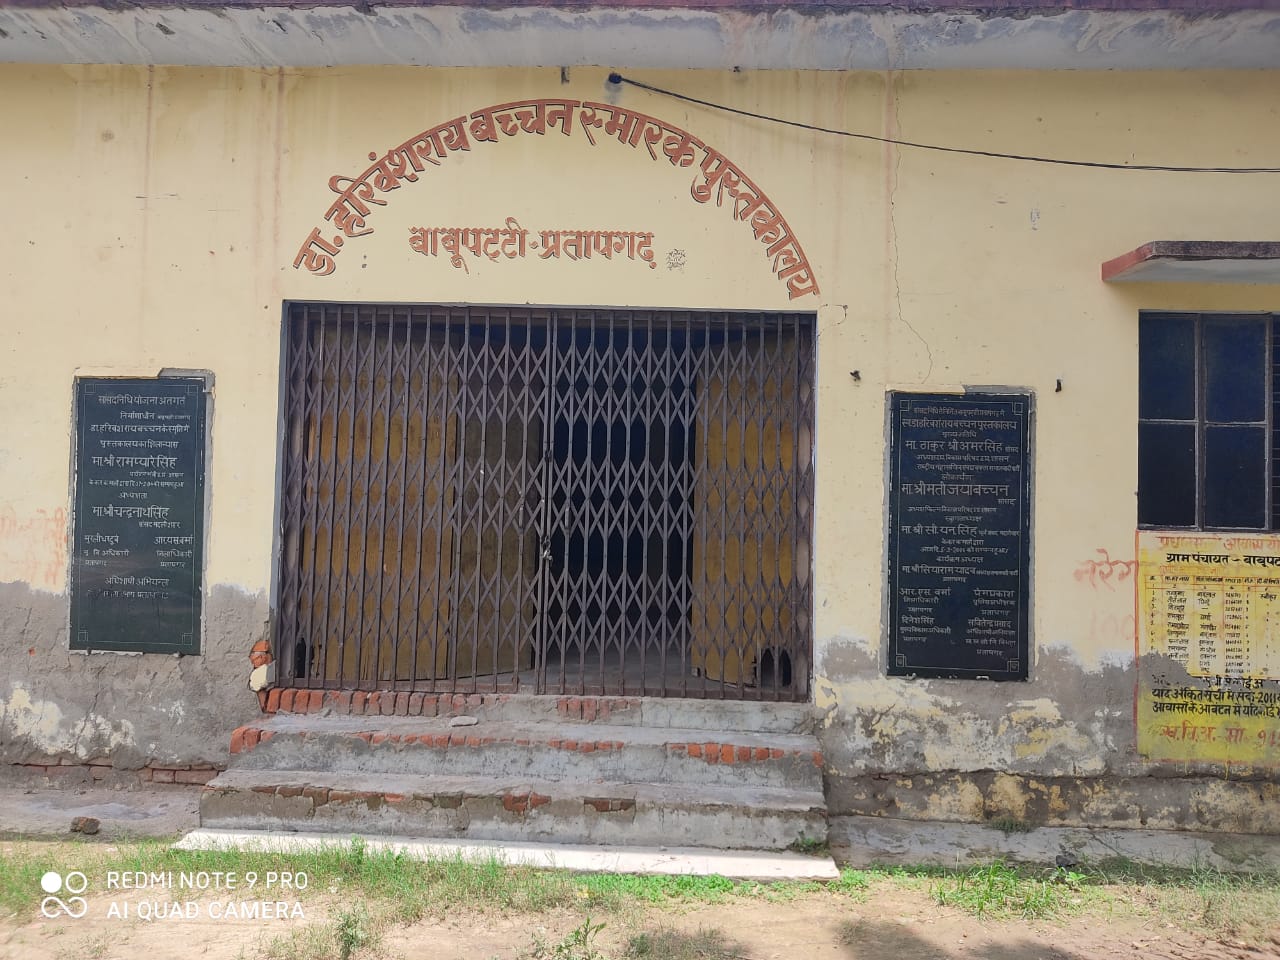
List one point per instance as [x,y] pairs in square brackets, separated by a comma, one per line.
[890,924]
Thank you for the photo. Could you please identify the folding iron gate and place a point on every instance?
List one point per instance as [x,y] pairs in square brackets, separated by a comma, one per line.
[559,501]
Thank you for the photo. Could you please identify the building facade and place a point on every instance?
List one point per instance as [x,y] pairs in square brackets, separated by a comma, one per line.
[513,376]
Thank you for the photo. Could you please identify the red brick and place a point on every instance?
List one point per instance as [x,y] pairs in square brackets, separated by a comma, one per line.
[589,708]
[237,739]
[355,796]
[475,700]
[473,741]
[377,738]
[711,752]
[430,704]
[340,702]
[570,745]
[726,753]
[387,703]
[522,741]
[273,700]
[286,699]
[289,791]
[817,759]
[317,701]
[442,739]
[515,802]
[366,736]
[458,703]
[193,776]
[402,705]
[744,753]
[775,753]
[251,737]
[359,699]
[415,704]
[263,788]
[538,799]
[144,774]
[587,747]
[262,700]
[762,753]
[265,735]
[162,776]
[101,773]
[601,804]
[574,708]
[695,749]
[317,795]
[393,797]
[372,703]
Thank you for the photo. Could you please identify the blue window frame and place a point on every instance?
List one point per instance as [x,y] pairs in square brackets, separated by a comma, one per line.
[1206,409]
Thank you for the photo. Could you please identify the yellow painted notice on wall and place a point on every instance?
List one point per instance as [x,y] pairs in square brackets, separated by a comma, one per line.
[1209,647]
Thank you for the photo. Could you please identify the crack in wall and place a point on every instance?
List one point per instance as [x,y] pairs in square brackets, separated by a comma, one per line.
[894,249]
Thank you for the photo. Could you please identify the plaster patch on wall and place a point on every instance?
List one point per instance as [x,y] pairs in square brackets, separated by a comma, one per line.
[46,727]
[876,724]
[33,547]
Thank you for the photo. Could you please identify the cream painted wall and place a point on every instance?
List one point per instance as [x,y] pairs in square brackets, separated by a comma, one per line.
[155,214]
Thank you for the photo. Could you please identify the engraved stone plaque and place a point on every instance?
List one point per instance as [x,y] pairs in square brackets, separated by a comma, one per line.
[136,573]
[959,535]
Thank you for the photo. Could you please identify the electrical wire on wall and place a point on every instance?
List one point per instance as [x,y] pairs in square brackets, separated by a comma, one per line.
[617,79]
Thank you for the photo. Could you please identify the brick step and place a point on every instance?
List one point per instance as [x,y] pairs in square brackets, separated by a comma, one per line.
[760,717]
[513,808]
[543,751]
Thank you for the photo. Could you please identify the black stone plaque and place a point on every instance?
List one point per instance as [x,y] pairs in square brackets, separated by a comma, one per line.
[959,535]
[136,579]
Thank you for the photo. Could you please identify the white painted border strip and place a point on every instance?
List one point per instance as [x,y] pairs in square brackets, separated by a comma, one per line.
[673,861]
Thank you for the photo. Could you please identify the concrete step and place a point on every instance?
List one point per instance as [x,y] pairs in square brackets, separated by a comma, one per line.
[544,751]
[738,715]
[659,860]
[513,808]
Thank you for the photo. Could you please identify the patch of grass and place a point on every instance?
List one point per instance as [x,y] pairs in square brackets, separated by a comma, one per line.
[352,930]
[810,846]
[1000,891]
[414,888]
[576,945]
[853,883]
[312,942]
[614,889]
[1008,825]
[666,944]
[1244,906]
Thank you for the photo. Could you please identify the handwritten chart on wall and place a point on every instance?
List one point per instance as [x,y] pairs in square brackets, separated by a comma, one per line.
[1209,647]
[139,515]
[959,535]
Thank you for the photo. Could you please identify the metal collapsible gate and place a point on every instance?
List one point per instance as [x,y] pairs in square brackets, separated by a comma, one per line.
[547,500]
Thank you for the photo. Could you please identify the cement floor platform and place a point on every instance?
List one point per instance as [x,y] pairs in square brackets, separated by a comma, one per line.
[745,865]
[154,811]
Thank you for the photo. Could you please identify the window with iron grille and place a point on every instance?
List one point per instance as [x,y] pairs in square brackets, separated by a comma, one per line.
[549,500]
[1206,413]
